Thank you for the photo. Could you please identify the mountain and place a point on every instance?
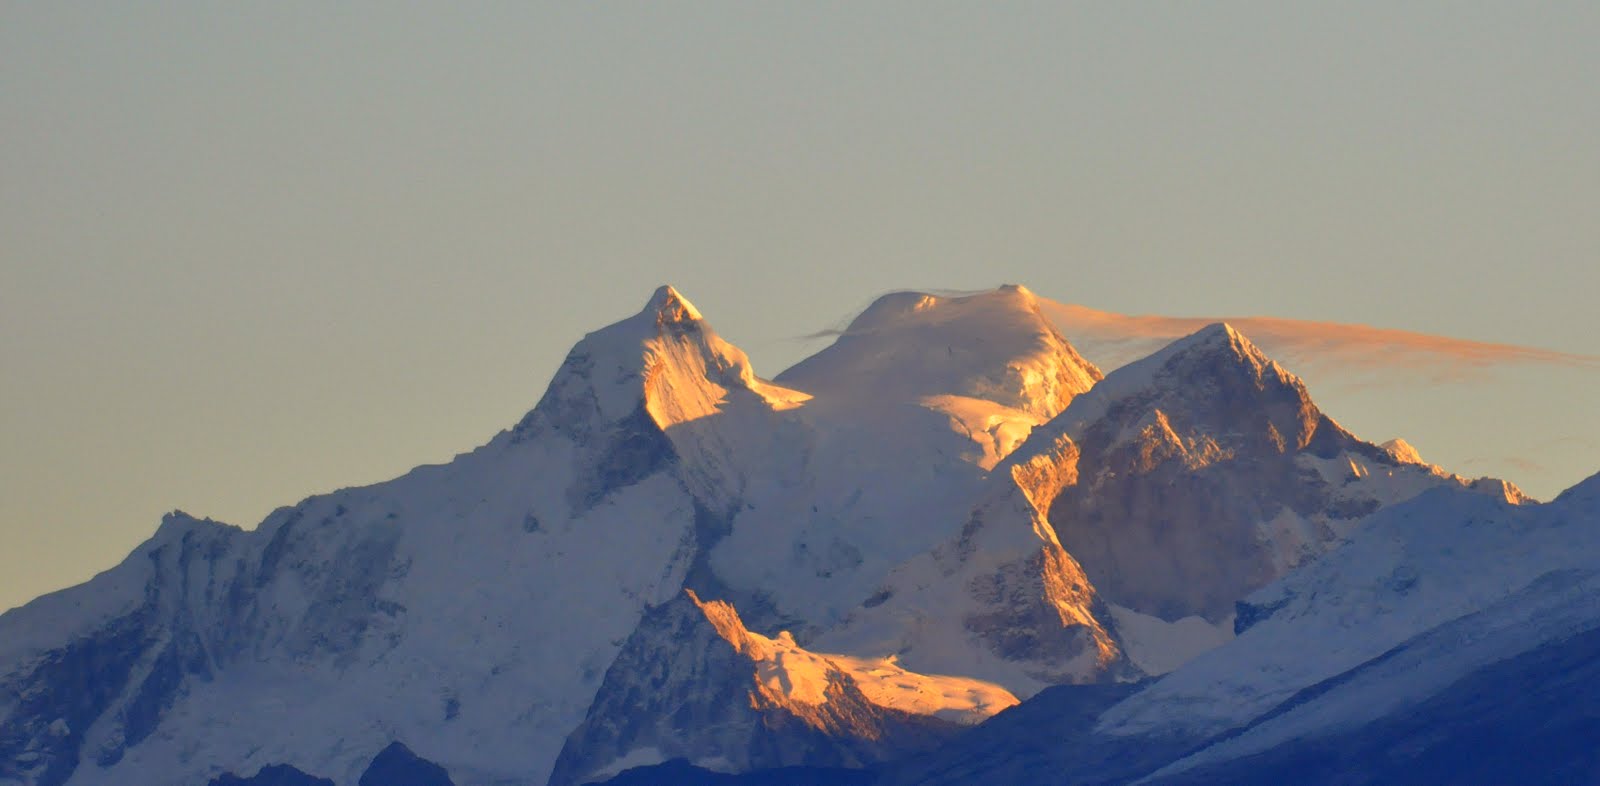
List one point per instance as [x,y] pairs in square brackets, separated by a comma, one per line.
[469,609]
[944,512]
[1115,540]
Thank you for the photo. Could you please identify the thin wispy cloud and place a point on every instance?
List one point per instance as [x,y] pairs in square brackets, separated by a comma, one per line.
[1113,339]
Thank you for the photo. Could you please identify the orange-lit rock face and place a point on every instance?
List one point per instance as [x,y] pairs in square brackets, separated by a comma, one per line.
[1200,474]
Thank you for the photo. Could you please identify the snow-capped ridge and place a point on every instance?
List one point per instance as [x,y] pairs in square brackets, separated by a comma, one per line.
[666,370]
[1223,338]
[670,306]
[666,358]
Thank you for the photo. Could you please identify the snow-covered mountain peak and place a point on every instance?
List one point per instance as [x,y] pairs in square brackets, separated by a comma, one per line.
[665,358]
[670,306]
[994,346]
[1403,452]
[1218,343]
[1215,377]
[661,387]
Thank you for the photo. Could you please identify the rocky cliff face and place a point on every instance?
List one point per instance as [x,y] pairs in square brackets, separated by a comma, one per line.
[1189,494]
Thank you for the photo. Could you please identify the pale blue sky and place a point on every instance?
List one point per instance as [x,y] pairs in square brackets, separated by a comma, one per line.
[255,253]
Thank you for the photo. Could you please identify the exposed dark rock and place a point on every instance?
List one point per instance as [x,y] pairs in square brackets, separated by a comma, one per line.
[396,765]
[272,775]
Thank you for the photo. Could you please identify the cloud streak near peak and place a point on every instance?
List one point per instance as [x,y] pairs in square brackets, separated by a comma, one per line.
[1112,339]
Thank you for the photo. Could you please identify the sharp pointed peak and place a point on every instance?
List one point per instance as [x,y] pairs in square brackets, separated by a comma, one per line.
[1218,339]
[1215,351]
[1218,333]
[668,305]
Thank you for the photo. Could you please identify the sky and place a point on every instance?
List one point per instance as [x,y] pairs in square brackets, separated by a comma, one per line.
[251,253]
